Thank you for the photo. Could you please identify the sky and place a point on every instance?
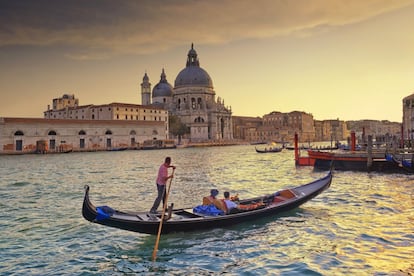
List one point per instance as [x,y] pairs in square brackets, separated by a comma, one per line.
[337,59]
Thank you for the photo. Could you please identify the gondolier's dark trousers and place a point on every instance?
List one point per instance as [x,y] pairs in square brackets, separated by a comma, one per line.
[161,195]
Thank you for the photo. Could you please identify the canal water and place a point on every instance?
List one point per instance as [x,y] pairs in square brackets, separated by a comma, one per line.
[362,225]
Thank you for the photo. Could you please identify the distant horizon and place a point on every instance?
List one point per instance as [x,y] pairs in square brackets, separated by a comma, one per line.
[340,60]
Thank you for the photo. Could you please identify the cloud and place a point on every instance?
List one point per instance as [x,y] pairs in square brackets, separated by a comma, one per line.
[96,29]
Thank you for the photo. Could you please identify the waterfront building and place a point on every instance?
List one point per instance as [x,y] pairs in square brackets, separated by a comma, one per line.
[68,125]
[278,126]
[193,100]
[379,130]
[245,128]
[331,130]
[112,111]
[281,127]
[25,135]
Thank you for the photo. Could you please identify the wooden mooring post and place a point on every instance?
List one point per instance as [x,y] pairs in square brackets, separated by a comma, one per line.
[369,153]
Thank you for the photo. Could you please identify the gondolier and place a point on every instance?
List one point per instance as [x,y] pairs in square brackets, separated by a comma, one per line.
[161,182]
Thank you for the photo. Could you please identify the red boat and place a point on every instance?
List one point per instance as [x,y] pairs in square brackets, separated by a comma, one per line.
[352,161]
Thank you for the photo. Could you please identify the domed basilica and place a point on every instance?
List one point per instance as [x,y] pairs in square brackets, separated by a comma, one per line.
[193,100]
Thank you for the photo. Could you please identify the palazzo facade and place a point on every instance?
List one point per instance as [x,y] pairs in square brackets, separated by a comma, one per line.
[29,135]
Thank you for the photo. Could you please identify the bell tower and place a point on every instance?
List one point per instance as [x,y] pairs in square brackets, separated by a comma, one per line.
[145,90]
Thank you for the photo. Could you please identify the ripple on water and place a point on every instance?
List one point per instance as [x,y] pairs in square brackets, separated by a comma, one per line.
[362,225]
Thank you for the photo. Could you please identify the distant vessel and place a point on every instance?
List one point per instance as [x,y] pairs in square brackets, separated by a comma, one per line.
[158,144]
[268,150]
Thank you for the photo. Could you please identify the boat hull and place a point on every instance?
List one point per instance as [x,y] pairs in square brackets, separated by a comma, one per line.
[274,150]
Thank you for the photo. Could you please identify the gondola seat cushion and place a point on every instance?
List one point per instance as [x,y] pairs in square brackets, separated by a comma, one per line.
[104,212]
[210,210]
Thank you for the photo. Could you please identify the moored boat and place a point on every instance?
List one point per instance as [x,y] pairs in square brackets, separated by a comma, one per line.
[184,220]
[268,150]
[402,163]
[352,161]
[158,144]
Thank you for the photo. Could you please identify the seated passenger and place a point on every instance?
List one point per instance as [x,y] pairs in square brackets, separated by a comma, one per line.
[229,203]
[207,200]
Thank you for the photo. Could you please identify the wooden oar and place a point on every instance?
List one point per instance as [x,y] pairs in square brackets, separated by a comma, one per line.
[154,252]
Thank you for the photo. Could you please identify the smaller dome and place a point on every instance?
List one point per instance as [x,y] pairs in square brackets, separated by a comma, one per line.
[163,88]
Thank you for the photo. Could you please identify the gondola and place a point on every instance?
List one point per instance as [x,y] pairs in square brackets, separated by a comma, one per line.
[185,220]
[405,165]
[270,150]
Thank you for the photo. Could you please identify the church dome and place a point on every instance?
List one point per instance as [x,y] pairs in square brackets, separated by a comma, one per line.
[163,88]
[193,74]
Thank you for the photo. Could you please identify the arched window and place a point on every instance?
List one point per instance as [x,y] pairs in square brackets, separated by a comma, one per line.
[132,132]
[82,132]
[193,103]
[52,132]
[108,132]
[19,133]
[198,120]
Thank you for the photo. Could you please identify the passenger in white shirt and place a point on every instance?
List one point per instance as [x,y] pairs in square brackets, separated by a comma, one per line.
[229,203]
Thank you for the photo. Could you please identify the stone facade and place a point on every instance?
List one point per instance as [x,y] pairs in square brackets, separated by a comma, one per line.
[281,127]
[331,130]
[245,128]
[112,111]
[377,129]
[22,135]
